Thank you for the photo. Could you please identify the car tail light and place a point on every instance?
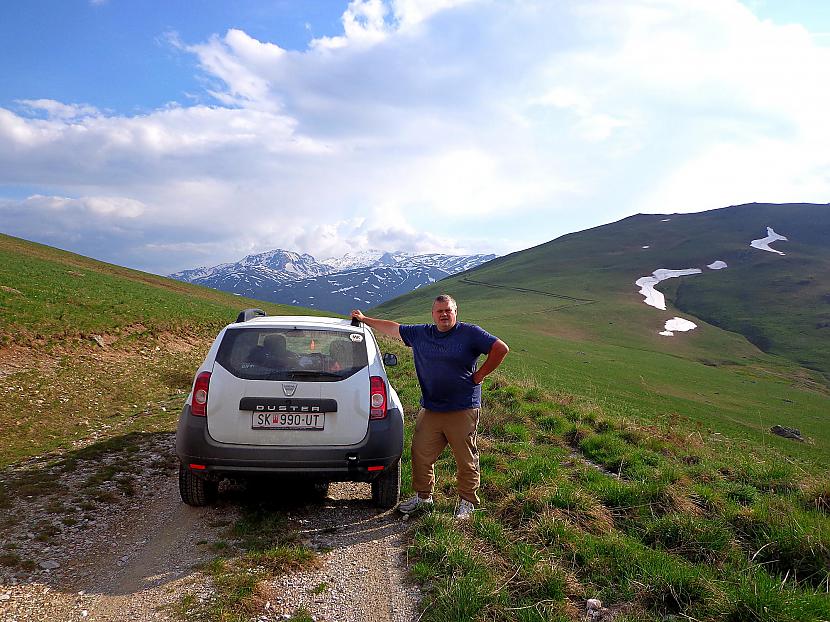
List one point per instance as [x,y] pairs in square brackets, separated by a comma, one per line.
[377,398]
[200,395]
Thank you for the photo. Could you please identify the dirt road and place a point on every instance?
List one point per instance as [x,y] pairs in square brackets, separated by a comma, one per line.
[81,546]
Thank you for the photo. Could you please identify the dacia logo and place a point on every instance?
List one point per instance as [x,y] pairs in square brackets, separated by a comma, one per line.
[289,388]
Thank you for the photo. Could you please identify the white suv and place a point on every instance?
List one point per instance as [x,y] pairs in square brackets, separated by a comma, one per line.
[291,396]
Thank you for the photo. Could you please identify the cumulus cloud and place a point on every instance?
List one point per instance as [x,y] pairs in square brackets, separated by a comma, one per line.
[434,125]
[336,239]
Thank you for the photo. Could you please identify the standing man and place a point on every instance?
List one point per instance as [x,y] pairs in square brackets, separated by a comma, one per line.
[445,361]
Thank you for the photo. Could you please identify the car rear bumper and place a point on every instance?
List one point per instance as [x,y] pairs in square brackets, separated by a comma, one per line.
[381,447]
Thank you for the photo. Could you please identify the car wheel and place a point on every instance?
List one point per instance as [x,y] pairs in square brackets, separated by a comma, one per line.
[195,490]
[321,489]
[387,488]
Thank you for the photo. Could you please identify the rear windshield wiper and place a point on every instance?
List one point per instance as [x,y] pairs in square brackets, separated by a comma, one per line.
[307,373]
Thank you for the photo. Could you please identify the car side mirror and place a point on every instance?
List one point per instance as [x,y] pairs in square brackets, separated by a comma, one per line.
[390,359]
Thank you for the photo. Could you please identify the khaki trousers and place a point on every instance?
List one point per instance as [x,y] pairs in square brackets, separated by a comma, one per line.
[433,431]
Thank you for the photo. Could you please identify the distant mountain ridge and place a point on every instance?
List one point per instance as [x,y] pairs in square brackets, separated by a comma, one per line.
[338,284]
[277,265]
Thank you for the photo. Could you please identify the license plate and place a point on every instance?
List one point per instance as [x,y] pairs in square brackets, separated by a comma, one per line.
[288,421]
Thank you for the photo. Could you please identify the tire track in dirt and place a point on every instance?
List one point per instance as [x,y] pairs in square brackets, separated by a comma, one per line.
[142,556]
[152,556]
[363,572]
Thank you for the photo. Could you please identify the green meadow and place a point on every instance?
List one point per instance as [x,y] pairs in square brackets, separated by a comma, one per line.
[663,508]
[58,386]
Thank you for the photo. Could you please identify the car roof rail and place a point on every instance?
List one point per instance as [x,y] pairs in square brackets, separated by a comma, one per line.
[249,314]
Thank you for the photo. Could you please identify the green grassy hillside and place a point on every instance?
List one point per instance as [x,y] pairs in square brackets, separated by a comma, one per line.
[781,304]
[571,313]
[58,386]
[631,467]
[48,294]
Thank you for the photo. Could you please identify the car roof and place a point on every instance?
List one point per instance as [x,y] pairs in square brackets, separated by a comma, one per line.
[305,321]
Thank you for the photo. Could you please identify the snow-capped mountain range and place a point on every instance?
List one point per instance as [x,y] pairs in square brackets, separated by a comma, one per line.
[338,284]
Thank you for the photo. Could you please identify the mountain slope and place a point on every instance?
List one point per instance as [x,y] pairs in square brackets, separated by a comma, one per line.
[277,265]
[89,350]
[48,294]
[572,311]
[780,303]
[362,287]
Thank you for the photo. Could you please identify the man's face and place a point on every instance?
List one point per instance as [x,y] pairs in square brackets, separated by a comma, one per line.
[444,315]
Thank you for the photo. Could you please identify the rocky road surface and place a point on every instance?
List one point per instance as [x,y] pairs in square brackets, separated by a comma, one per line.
[82,552]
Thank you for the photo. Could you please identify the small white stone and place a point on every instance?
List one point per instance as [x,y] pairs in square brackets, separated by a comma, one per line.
[593,604]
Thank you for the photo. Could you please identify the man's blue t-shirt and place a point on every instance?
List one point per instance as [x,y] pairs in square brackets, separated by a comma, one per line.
[445,363]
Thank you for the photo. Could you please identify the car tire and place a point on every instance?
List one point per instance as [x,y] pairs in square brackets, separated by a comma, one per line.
[194,490]
[321,489]
[386,489]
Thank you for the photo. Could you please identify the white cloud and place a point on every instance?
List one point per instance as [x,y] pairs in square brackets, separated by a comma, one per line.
[372,232]
[367,22]
[110,206]
[57,110]
[435,125]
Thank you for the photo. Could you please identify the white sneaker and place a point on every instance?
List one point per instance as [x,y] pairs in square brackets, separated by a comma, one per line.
[415,503]
[465,510]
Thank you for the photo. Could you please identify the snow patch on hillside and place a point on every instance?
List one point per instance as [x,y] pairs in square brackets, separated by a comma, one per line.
[764,243]
[647,283]
[677,324]
[717,265]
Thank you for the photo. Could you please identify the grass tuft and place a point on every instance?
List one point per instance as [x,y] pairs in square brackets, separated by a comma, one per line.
[261,546]
[787,539]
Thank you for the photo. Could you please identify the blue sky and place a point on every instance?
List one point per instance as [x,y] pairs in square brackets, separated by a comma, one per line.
[162,136]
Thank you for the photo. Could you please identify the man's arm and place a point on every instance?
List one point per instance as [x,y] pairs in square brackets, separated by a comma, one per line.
[494,358]
[387,327]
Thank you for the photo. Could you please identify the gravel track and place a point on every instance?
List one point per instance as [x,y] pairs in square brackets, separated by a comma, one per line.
[362,576]
[138,555]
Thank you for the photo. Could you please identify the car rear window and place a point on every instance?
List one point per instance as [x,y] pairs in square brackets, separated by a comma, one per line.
[292,354]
